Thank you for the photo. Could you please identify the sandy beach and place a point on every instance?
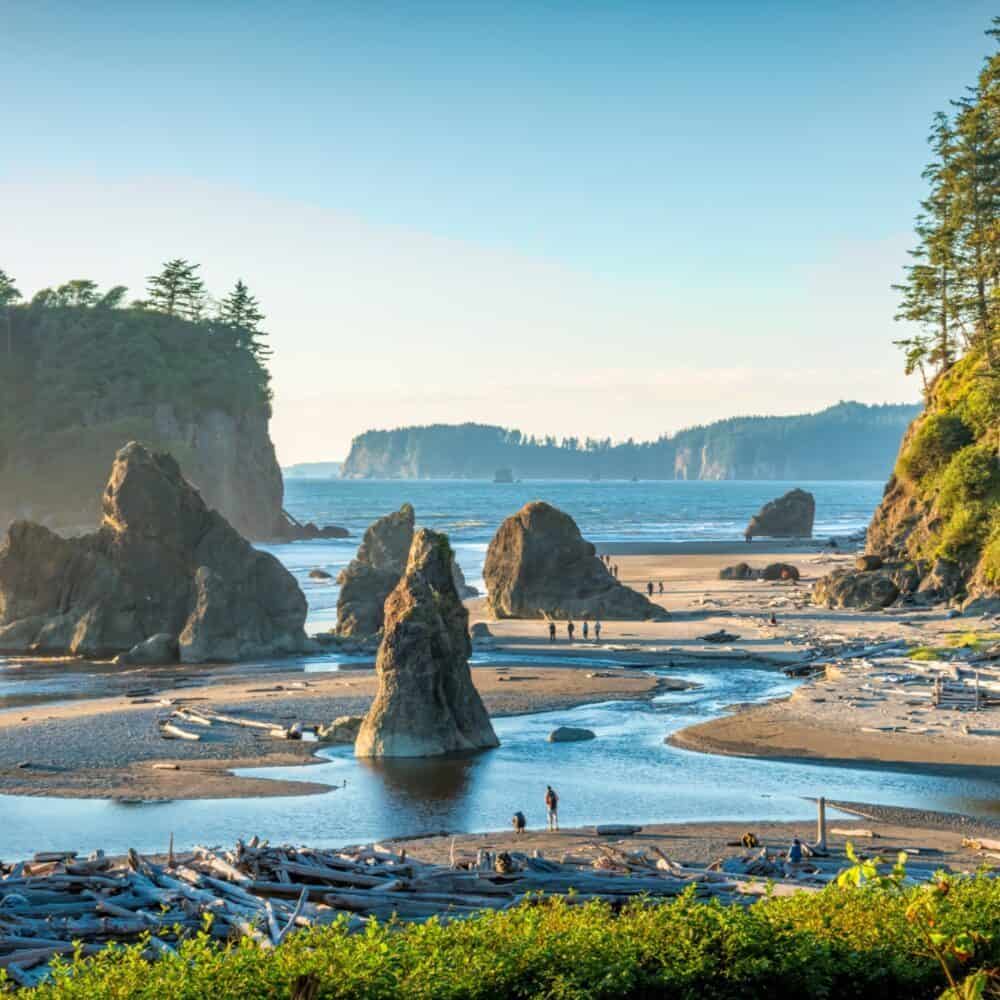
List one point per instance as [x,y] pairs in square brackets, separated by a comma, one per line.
[107,746]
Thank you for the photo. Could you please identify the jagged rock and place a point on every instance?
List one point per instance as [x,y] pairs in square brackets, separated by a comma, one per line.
[867,591]
[740,571]
[790,516]
[981,605]
[161,562]
[464,590]
[780,571]
[866,564]
[289,530]
[426,704]
[373,573]
[539,565]
[944,581]
[481,631]
[343,729]
[154,651]
[320,574]
[571,734]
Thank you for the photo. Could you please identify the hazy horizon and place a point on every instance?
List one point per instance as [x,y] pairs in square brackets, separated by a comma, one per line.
[573,220]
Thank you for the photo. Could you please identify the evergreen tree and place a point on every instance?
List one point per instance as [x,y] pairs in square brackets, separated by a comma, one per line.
[177,290]
[8,291]
[241,311]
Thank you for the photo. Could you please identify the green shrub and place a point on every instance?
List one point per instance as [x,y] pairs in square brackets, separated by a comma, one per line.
[939,436]
[972,475]
[855,943]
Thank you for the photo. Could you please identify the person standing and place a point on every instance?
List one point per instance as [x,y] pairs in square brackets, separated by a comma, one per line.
[597,630]
[570,629]
[649,588]
[661,586]
[552,631]
[586,626]
[552,807]
[518,822]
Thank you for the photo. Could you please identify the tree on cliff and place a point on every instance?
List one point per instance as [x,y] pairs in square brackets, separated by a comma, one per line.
[8,291]
[241,311]
[952,289]
[176,290]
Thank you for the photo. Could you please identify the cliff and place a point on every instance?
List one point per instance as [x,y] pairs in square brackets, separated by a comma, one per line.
[81,382]
[940,514]
[846,441]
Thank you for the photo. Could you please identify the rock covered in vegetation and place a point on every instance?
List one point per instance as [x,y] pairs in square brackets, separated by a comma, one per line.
[940,514]
[790,516]
[161,564]
[780,571]
[373,573]
[538,564]
[866,591]
[426,704]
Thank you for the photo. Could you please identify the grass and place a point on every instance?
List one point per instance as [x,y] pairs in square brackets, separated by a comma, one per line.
[964,640]
[856,942]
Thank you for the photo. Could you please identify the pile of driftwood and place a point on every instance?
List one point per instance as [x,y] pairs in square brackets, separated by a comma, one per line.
[264,892]
[174,730]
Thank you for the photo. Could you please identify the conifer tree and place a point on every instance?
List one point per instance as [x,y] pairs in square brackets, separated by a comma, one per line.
[177,290]
[8,291]
[241,311]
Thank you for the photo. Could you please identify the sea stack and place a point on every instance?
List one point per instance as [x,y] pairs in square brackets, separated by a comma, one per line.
[790,516]
[162,564]
[539,565]
[373,573]
[426,704]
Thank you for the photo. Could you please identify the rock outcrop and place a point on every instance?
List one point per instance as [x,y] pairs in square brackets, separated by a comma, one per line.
[343,729]
[738,571]
[539,565]
[865,591]
[939,519]
[780,571]
[373,573]
[464,590]
[790,516]
[161,564]
[571,734]
[426,704]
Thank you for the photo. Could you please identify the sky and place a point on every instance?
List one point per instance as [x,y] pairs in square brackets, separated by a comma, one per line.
[577,218]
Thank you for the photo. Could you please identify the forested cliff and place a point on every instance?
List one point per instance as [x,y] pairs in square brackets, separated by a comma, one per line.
[846,441]
[82,375]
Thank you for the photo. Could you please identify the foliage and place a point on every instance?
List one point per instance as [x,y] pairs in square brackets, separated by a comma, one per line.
[867,940]
[952,288]
[240,311]
[848,440]
[177,290]
[8,291]
[937,438]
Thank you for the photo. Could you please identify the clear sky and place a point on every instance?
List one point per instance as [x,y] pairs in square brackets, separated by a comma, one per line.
[614,218]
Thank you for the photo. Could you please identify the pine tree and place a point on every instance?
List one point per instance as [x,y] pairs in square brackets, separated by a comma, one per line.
[241,311]
[8,291]
[177,290]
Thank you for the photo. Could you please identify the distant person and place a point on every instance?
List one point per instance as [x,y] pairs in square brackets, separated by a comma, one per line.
[570,629]
[615,570]
[795,852]
[661,586]
[518,822]
[597,630]
[552,631]
[747,537]
[649,588]
[773,619]
[586,627]
[552,807]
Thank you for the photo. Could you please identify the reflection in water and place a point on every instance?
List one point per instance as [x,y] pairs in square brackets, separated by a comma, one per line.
[626,774]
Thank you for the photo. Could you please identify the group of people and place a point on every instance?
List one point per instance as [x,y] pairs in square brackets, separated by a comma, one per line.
[551,812]
[650,588]
[612,567]
[571,630]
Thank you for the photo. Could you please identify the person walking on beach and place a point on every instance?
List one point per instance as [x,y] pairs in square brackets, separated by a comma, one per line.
[649,588]
[747,537]
[552,807]
[570,629]
[661,586]
[552,631]
[586,626]
[597,630]
[518,822]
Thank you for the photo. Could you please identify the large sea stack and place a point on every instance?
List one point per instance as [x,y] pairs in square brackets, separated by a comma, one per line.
[373,573]
[426,704]
[790,516]
[539,565]
[936,533]
[161,564]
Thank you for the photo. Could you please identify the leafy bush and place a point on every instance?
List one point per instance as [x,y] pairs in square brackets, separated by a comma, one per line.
[939,436]
[859,942]
[972,475]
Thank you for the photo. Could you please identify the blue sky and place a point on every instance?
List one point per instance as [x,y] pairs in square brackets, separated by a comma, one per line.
[578,217]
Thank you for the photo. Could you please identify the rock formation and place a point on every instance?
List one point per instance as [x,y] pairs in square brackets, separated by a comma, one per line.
[780,571]
[738,571]
[343,729]
[373,573]
[161,564]
[538,564]
[463,588]
[790,516]
[426,704]
[868,591]
[571,734]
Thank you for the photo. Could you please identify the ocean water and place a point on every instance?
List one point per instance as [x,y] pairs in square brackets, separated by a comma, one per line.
[470,511]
